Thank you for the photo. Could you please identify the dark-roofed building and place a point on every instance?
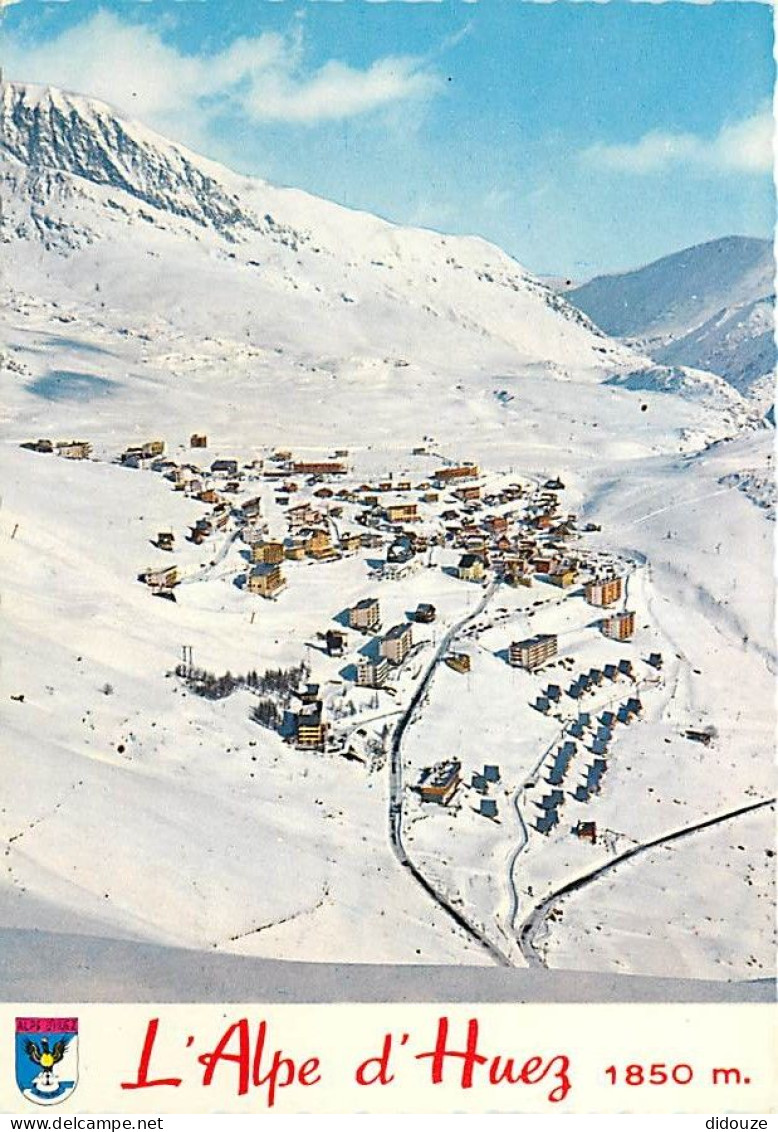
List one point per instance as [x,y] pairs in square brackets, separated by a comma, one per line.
[488,807]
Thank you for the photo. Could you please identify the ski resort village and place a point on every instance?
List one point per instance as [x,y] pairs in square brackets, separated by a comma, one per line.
[364,601]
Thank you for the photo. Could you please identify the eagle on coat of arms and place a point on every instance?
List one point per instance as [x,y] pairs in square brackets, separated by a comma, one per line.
[45,1057]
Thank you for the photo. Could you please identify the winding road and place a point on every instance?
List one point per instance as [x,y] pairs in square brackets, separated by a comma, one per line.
[528,930]
[396,787]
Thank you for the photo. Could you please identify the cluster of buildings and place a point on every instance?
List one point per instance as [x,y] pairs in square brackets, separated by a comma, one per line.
[373,669]
[69,449]
[598,733]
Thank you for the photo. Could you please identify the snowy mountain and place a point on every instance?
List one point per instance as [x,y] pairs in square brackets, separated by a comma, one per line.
[708,307]
[78,179]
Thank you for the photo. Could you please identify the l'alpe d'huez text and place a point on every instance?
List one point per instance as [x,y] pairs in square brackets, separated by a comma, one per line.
[457,1059]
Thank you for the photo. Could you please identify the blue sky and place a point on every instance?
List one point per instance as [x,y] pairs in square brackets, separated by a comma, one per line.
[580,137]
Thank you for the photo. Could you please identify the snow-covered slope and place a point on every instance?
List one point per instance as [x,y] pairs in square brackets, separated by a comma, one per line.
[708,307]
[77,178]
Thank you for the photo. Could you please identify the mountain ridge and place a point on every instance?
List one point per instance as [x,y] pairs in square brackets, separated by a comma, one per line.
[708,307]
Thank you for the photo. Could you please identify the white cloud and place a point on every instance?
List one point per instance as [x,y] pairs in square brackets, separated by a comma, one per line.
[133,68]
[739,147]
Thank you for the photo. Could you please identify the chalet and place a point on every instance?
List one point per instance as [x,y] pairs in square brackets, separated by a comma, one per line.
[302,515]
[625,667]
[497,524]
[620,627]
[439,783]
[224,468]
[372,673]
[319,468]
[324,493]
[430,497]
[471,568]
[563,578]
[533,652]
[310,728]
[270,552]
[349,543]
[74,449]
[553,800]
[266,580]
[365,614]
[425,613]
[371,540]
[336,642]
[209,495]
[319,545]
[547,821]
[41,445]
[487,807]
[397,643]
[515,573]
[459,661]
[164,466]
[161,579]
[394,571]
[469,494]
[655,660]
[294,549]
[545,565]
[603,591]
[165,540]
[198,440]
[704,737]
[478,783]
[586,831]
[491,773]
[400,550]
[560,767]
[401,513]
[200,532]
[553,485]
[252,508]
[446,476]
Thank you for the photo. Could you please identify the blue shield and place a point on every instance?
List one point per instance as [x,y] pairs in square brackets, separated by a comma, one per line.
[46,1058]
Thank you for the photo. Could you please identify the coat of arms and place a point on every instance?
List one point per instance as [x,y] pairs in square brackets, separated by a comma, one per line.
[46,1058]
